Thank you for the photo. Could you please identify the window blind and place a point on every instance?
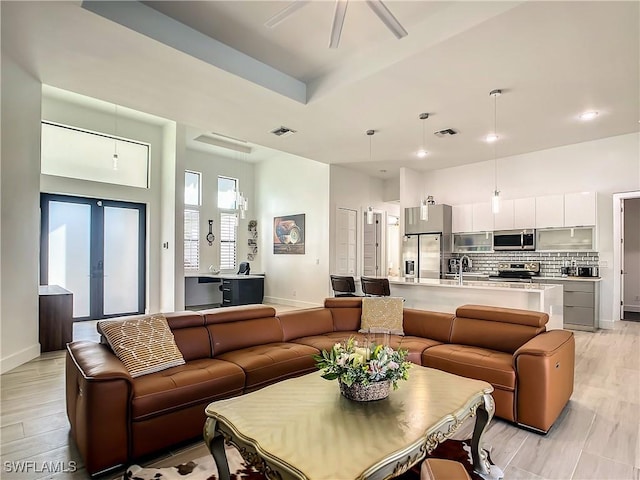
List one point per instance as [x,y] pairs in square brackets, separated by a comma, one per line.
[191,239]
[228,237]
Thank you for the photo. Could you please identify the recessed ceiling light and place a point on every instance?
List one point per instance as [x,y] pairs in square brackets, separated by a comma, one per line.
[492,137]
[421,153]
[588,115]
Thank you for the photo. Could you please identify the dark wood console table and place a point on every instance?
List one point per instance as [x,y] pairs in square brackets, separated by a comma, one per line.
[56,317]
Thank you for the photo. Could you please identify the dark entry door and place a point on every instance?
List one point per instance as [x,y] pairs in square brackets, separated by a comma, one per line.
[96,249]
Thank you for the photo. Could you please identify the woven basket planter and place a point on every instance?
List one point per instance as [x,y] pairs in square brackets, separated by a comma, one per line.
[366,393]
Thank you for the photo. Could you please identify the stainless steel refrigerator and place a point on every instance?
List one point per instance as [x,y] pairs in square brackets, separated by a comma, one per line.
[422,255]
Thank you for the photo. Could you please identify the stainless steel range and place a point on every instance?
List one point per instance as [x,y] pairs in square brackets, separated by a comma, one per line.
[516,272]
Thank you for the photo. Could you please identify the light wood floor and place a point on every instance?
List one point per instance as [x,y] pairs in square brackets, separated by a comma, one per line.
[596,436]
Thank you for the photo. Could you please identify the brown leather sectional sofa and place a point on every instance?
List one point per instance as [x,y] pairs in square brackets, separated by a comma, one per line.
[116,419]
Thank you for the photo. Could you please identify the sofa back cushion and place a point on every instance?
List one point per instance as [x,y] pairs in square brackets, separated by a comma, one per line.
[425,324]
[244,333]
[234,314]
[190,334]
[305,323]
[496,328]
[346,313]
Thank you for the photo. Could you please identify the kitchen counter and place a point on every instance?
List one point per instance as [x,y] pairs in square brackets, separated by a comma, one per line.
[445,295]
[478,275]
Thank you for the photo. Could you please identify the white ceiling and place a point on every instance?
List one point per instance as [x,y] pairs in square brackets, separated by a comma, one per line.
[552,60]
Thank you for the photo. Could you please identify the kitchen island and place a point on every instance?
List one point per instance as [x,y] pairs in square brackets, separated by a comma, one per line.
[443,295]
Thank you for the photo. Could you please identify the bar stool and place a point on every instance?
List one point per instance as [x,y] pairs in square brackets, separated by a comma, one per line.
[375,287]
[343,286]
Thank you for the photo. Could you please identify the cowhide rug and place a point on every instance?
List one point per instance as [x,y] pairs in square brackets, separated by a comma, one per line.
[204,468]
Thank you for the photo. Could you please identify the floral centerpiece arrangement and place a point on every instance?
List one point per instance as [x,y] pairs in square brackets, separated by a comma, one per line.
[364,372]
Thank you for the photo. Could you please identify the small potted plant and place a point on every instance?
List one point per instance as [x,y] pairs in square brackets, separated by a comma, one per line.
[364,372]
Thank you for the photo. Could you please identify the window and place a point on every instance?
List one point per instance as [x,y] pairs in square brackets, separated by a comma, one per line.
[228,235]
[76,153]
[192,197]
[227,193]
[192,194]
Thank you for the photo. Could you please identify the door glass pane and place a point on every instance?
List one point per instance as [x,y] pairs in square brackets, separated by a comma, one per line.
[121,260]
[69,259]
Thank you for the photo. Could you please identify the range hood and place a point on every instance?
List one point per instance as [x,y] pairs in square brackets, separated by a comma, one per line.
[439,220]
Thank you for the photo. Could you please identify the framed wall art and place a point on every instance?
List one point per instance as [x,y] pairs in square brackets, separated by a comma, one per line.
[289,234]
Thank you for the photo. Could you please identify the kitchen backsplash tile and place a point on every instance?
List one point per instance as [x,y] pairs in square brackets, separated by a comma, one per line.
[550,262]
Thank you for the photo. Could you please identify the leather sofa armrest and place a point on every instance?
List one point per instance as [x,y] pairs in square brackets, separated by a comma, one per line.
[545,344]
[98,396]
[96,361]
[545,372]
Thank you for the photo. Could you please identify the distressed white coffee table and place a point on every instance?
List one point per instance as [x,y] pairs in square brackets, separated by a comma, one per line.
[303,428]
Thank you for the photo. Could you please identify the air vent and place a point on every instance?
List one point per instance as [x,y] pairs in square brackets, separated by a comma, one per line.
[283,131]
[445,132]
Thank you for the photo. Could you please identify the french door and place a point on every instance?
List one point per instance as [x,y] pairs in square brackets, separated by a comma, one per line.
[95,249]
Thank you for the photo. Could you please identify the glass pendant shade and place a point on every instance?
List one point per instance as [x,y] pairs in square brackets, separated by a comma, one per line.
[370,216]
[424,210]
[495,202]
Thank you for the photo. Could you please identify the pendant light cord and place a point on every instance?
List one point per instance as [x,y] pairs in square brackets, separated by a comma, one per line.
[495,146]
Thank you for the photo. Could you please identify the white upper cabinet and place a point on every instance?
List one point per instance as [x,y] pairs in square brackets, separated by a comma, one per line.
[550,211]
[579,209]
[462,218]
[504,219]
[482,217]
[524,213]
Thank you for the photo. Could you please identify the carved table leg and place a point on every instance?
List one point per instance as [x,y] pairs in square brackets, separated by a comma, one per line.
[484,414]
[215,442]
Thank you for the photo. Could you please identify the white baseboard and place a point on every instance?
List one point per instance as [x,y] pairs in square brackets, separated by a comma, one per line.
[607,324]
[632,308]
[23,356]
[291,303]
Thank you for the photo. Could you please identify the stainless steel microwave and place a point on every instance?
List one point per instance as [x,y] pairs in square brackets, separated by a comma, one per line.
[514,240]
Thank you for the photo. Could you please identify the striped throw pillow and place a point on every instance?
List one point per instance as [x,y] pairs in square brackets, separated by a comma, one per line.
[145,344]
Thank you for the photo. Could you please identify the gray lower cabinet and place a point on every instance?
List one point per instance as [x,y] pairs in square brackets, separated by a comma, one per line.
[581,304]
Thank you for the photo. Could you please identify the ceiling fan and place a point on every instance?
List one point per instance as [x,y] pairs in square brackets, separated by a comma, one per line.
[379,8]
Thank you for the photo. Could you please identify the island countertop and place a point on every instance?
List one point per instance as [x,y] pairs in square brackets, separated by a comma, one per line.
[443,295]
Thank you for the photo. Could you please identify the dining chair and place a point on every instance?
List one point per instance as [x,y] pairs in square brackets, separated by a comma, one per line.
[343,286]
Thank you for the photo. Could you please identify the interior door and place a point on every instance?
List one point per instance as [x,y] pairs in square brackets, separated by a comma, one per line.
[372,259]
[346,242]
[95,249]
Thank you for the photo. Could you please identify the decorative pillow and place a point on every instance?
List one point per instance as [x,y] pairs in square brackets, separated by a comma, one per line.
[145,345]
[382,314]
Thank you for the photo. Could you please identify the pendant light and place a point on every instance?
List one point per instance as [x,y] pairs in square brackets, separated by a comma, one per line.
[114,161]
[492,138]
[370,209]
[424,205]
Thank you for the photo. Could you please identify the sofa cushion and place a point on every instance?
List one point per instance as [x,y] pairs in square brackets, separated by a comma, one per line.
[265,364]
[473,362]
[414,345]
[504,337]
[518,316]
[346,312]
[382,314]
[195,382]
[230,336]
[145,344]
[304,323]
[237,313]
[328,340]
[425,324]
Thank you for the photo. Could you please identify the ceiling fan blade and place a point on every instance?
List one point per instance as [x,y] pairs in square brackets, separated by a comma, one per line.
[285,13]
[338,21]
[387,18]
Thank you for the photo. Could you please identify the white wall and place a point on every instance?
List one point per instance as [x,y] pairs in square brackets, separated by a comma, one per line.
[356,191]
[20,218]
[632,254]
[606,166]
[211,166]
[94,119]
[168,179]
[287,185]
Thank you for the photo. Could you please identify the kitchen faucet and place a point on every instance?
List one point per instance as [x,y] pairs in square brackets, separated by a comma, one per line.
[460,267]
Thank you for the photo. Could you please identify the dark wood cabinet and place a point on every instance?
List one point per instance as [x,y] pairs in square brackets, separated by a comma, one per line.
[56,317]
[242,291]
